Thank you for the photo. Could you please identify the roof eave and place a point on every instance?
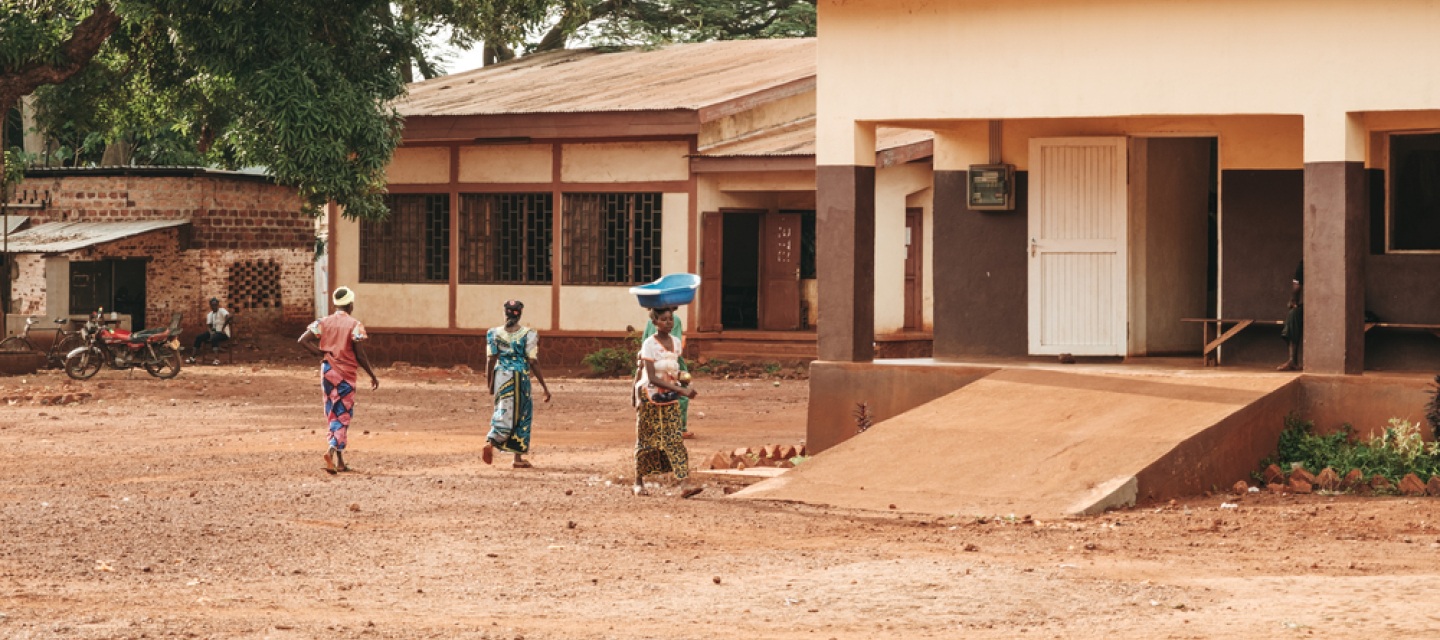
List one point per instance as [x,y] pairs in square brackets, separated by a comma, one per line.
[584,124]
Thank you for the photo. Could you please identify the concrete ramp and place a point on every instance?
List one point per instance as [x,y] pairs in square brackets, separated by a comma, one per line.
[1049,443]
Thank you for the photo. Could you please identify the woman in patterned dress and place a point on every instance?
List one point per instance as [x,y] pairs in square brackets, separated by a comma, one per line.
[678,333]
[511,349]
[658,445]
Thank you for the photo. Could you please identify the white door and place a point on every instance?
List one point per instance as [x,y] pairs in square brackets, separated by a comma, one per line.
[1077,246]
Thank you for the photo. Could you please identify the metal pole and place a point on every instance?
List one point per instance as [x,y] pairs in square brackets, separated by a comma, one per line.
[5,253]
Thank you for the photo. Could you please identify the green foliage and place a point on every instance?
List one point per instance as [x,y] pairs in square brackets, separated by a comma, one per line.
[772,368]
[302,88]
[14,172]
[615,361]
[671,21]
[1397,451]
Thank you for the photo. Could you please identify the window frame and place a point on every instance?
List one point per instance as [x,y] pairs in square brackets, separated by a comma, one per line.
[429,249]
[541,205]
[1390,179]
[571,248]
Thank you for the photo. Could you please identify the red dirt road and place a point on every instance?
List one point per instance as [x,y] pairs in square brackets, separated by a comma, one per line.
[197,508]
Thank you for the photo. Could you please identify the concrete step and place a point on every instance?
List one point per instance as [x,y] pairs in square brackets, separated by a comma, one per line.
[1049,443]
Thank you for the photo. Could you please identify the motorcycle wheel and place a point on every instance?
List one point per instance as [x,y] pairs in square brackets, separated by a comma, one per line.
[14,343]
[84,365]
[166,365]
[70,343]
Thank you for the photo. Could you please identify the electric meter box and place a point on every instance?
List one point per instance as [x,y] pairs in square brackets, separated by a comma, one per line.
[990,187]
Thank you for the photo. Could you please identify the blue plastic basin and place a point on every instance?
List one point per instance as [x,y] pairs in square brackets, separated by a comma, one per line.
[670,291]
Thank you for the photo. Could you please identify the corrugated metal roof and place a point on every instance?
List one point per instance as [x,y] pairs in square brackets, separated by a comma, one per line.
[60,237]
[798,139]
[15,223]
[681,76]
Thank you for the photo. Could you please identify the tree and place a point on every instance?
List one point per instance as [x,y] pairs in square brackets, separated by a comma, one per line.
[300,87]
[508,26]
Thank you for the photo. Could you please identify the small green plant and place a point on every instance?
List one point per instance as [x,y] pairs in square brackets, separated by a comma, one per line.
[772,368]
[798,459]
[617,360]
[864,417]
[1396,451]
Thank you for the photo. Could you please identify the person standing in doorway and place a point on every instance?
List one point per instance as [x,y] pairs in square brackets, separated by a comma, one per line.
[341,341]
[510,351]
[217,330]
[1294,329]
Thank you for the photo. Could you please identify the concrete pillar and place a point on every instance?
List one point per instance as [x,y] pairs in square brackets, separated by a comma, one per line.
[1336,242]
[845,254]
[33,142]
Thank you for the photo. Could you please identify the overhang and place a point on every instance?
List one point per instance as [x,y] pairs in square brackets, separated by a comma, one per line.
[62,237]
[14,222]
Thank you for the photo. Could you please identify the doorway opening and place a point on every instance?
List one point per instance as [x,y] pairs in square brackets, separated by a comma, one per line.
[758,270]
[740,278]
[1176,246]
[115,285]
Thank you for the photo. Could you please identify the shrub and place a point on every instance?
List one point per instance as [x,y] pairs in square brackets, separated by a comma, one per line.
[1395,452]
[615,361]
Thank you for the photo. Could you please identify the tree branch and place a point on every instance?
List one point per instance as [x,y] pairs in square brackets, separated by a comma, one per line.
[89,35]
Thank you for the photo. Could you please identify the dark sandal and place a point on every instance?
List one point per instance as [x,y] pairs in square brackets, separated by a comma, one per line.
[523,464]
[691,492]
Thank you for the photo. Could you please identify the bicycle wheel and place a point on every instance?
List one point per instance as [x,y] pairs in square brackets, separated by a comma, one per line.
[16,343]
[67,344]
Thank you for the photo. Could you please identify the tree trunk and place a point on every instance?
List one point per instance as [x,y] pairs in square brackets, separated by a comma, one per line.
[117,154]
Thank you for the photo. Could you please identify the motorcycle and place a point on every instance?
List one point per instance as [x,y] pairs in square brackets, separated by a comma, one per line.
[157,350]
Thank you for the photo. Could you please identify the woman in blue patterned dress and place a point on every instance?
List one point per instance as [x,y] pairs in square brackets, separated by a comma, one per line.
[511,350]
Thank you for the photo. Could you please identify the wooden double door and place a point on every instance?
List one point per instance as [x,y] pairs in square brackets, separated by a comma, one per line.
[750,269]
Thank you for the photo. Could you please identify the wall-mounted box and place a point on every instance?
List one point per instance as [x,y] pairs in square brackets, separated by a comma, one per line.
[990,187]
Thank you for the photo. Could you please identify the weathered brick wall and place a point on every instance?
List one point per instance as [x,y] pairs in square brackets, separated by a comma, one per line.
[233,220]
[28,290]
[226,211]
[184,281]
[445,351]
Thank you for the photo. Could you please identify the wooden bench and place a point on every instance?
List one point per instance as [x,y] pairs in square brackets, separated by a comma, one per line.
[1215,333]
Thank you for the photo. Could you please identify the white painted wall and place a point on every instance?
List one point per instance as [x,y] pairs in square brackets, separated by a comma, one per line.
[482,306]
[1320,60]
[893,187]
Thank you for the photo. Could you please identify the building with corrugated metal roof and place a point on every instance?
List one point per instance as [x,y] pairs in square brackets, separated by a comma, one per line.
[564,178]
[147,242]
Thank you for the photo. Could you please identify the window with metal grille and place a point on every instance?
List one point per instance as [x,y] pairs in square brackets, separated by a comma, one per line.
[506,238]
[412,245]
[612,238]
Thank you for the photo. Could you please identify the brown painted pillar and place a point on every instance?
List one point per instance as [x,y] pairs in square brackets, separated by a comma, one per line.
[845,262]
[1336,240]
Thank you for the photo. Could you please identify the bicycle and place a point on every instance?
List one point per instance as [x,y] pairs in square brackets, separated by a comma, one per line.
[61,346]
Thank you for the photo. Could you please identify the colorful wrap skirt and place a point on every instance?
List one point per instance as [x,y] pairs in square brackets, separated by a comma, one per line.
[510,424]
[658,447]
[339,403]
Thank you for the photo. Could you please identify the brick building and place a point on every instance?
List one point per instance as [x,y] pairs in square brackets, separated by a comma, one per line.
[149,242]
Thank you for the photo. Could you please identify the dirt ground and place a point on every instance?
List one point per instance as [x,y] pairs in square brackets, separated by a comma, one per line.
[198,508]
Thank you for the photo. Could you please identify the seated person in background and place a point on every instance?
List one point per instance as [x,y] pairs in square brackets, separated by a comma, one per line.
[217,324]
